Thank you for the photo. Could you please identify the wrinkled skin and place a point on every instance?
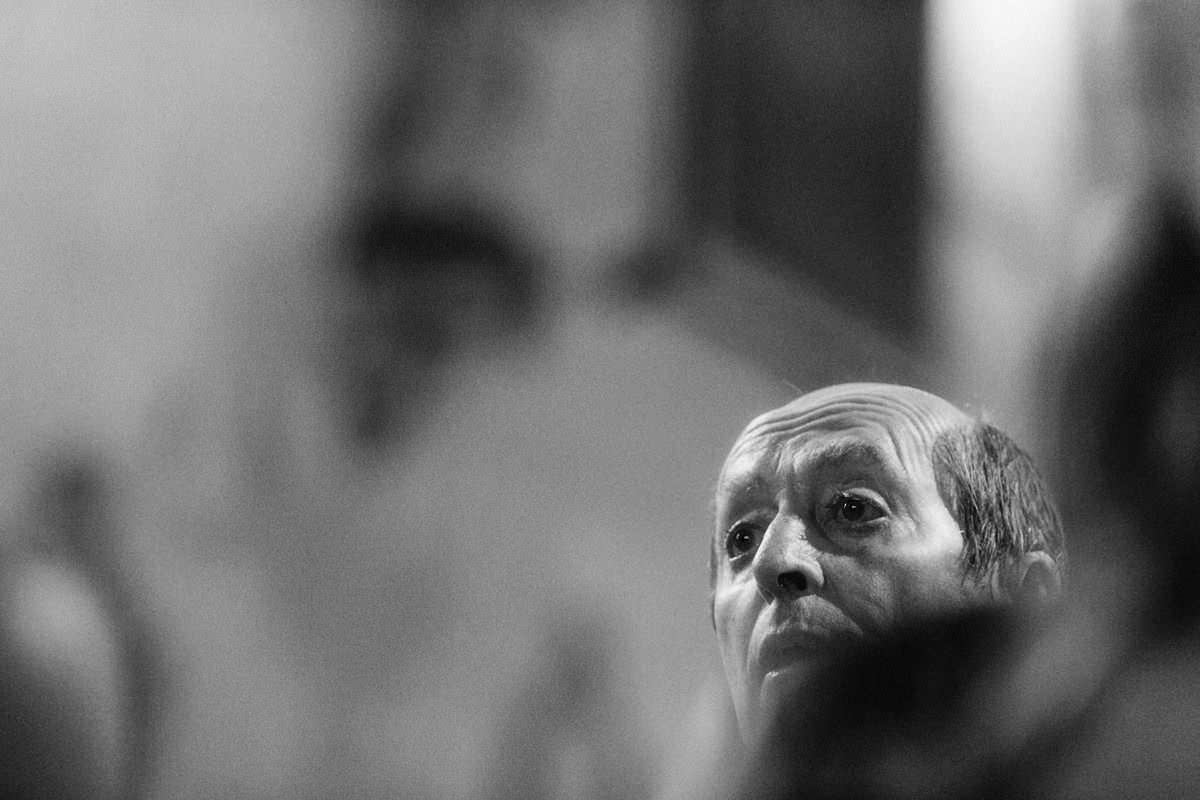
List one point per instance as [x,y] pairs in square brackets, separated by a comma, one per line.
[830,529]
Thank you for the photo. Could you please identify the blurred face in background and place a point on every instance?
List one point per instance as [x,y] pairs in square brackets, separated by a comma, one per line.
[829,530]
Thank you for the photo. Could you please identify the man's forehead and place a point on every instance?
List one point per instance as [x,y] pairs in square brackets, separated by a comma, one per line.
[862,419]
[899,409]
[751,464]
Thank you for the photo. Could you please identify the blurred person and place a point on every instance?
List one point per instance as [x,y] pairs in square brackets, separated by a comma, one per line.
[854,510]
[1128,415]
[1128,423]
[287,528]
[80,680]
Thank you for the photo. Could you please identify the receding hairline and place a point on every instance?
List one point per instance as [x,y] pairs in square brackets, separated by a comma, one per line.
[909,402]
[927,415]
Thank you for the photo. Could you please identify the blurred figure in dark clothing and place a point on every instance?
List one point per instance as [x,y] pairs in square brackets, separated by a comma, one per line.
[1131,419]
[1131,413]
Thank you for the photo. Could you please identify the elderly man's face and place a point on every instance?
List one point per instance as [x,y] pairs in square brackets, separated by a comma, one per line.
[829,529]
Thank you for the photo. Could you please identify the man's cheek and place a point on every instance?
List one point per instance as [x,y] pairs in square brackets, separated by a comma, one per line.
[730,627]
[722,625]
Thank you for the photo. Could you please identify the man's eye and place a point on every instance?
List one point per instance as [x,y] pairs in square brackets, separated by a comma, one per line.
[852,509]
[742,538]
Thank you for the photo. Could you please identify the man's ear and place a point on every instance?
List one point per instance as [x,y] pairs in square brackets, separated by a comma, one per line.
[1031,578]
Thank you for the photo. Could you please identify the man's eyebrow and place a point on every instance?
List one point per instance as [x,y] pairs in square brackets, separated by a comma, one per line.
[739,482]
[735,490]
[846,451]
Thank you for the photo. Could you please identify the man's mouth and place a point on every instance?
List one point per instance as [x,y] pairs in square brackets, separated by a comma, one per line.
[786,651]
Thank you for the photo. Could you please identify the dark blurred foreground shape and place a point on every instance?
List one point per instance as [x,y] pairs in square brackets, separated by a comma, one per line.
[1078,702]
[1131,421]
[1130,414]
[983,705]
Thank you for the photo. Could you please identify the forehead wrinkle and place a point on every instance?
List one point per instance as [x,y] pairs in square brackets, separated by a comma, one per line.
[922,416]
[881,394]
[906,419]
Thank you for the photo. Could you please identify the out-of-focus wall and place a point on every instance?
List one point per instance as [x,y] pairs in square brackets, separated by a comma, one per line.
[152,157]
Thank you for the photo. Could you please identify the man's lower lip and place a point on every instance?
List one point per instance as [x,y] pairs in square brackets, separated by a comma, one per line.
[782,682]
[785,669]
[796,660]
[791,657]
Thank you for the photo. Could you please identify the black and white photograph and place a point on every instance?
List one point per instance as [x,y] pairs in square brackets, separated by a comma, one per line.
[599,399]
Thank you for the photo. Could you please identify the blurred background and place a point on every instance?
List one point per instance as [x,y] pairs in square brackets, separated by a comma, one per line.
[368,365]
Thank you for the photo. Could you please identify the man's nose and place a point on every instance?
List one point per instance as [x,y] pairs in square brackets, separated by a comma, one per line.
[786,566]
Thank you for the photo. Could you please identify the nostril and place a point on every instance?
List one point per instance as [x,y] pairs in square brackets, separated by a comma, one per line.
[793,582]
